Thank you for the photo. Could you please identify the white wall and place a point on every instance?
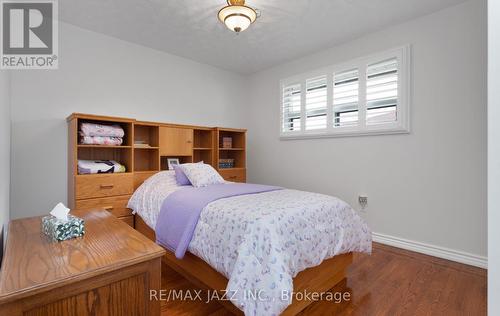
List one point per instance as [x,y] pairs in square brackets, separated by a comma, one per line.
[428,186]
[102,75]
[494,157]
[4,151]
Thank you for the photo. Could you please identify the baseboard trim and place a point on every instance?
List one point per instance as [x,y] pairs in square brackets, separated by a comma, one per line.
[431,250]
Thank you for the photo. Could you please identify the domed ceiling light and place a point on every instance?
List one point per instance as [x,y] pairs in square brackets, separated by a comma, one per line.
[237,16]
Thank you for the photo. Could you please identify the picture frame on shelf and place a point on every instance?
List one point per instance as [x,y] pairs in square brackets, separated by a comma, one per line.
[172,162]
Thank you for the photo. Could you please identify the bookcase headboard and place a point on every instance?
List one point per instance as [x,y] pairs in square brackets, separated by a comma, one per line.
[145,150]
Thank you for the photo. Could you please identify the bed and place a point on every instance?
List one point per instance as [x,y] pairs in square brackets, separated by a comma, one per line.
[260,247]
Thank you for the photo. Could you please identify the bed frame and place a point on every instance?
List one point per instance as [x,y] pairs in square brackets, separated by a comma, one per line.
[322,278]
[188,144]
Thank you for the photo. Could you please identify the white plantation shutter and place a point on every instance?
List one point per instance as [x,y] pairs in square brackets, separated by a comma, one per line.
[345,98]
[291,108]
[369,95]
[316,104]
[382,92]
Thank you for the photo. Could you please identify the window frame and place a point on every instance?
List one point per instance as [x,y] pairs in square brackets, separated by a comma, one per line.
[400,126]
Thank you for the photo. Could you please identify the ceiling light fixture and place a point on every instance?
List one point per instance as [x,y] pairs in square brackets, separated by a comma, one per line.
[237,16]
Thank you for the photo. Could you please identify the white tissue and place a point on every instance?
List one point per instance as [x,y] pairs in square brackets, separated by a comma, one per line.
[60,211]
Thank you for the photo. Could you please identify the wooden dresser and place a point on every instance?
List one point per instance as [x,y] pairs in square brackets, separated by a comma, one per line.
[108,271]
[160,141]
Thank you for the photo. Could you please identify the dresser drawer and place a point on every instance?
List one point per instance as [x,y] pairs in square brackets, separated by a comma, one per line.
[96,186]
[234,175]
[115,205]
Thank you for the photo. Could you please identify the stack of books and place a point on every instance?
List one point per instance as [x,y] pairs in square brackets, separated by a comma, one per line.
[141,144]
[227,142]
[226,163]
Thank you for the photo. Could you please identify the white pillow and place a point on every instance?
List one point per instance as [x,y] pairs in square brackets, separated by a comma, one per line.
[201,175]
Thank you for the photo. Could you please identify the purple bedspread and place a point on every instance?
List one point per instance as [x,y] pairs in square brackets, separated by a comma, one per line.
[181,210]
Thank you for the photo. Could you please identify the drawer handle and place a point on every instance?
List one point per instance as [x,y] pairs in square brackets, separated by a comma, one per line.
[232,177]
[107,186]
[108,208]
[189,142]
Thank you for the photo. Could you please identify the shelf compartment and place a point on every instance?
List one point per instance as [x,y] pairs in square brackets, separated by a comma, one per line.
[148,134]
[203,138]
[122,155]
[127,128]
[238,156]
[203,155]
[146,160]
[238,139]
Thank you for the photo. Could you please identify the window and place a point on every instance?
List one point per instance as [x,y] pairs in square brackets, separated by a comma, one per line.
[382,92]
[361,97]
[291,108]
[345,98]
[316,103]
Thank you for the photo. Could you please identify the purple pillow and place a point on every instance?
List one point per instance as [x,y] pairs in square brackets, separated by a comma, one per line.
[180,177]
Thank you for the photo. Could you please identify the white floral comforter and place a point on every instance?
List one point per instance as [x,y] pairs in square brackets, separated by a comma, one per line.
[148,198]
[261,241]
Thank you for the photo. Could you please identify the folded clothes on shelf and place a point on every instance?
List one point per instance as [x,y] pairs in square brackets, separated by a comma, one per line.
[100,140]
[99,166]
[93,129]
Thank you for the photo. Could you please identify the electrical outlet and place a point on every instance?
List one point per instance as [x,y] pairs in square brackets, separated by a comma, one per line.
[363,201]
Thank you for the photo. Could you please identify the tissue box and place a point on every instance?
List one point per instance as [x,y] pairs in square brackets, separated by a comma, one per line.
[60,230]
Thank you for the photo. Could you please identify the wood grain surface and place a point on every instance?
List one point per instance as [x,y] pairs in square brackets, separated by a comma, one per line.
[116,205]
[33,264]
[176,141]
[103,185]
[391,281]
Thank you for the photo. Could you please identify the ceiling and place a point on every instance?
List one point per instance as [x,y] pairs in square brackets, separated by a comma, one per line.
[287,29]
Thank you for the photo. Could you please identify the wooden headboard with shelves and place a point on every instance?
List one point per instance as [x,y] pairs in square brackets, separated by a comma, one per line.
[188,143]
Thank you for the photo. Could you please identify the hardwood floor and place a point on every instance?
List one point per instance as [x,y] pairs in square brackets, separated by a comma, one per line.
[391,281]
